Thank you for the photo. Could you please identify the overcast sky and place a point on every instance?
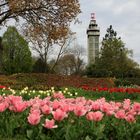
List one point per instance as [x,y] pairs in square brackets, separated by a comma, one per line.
[124,15]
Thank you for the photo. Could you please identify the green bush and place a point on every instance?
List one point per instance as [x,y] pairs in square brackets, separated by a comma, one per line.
[122,82]
[134,81]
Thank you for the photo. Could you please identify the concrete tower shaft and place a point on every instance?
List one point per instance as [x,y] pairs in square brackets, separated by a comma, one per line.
[93,33]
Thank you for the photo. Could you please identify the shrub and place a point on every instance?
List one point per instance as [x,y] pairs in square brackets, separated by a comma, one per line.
[122,82]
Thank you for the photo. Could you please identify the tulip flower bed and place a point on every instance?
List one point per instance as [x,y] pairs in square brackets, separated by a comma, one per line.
[51,116]
[113,89]
[73,92]
[115,93]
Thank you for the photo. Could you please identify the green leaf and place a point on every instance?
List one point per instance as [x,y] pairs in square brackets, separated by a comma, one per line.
[88,138]
[29,133]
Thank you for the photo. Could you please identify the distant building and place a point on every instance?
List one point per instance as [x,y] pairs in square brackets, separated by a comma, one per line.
[93,33]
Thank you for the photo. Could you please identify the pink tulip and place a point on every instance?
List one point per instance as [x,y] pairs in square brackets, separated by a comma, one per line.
[20,106]
[120,114]
[56,104]
[106,107]
[46,109]
[89,116]
[115,105]
[49,124]
[58,95]
[136,107]
[95,116]
[46,101]
[34,118]
[80,110]
[12,108]
[13,99]
[59,115]
[3,106]
[81,100]
[118,104]
[98,116]
[110,113]
[95,105]
[130,118]
[132,112]
[35,111]
[65,107]
[126,104]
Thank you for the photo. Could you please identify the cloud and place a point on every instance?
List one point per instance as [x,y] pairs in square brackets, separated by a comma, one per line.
[127,7]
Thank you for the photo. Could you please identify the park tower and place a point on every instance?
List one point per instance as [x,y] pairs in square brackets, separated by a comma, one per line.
[93,33]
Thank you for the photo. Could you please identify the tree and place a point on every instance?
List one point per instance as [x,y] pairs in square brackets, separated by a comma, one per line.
[78,52]
[1,48]
[70,60]
[69,64]
[66,64]
[114,56]
[40,66]
[41,16]
[16,56]
[64,44]
[41,45]
[95,71]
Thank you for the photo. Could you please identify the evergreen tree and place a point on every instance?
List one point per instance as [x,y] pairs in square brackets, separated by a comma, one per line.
[40,66]
[16,56]
[114,56]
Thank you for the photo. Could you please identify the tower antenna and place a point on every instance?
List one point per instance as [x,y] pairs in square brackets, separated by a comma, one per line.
[93,16]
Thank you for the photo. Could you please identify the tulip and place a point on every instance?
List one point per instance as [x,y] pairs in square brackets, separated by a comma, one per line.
[59,115]
[50,124]
[34,118]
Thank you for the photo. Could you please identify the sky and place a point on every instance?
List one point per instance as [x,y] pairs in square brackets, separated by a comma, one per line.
[123,15]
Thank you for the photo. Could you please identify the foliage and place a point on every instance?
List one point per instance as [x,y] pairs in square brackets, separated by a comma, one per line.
[41,16]
[93,71]
[122,82]
[134,81]
[114,55]
[16,56]
[127,81]
[40,66]
[44,22]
